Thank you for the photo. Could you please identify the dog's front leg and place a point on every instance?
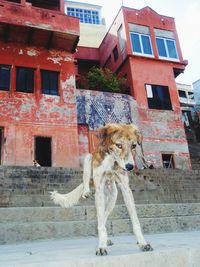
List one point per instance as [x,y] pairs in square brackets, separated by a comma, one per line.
[130,203]
[100,208]
[111,200]
[87,175]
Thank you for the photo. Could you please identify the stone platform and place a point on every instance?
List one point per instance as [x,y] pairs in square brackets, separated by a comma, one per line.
[170,250]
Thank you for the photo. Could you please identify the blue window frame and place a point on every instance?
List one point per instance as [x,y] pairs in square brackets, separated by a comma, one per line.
[166,48]
[5,77]
[141,44]
[49,82]
[86,16]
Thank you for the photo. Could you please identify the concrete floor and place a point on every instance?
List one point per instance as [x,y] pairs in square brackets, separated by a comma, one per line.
[170,250]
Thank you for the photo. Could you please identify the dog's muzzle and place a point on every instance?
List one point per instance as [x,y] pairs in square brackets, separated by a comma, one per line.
[129,167]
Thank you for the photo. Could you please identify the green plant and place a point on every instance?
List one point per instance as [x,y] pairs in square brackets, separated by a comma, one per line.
[105,80]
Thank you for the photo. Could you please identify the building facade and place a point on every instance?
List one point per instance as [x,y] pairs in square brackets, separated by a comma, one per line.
[187,102]
[46,115]
[38,118]
[143,46]
[92,24]
[196,87]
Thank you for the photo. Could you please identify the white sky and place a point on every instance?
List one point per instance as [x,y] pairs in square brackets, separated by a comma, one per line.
[187,18]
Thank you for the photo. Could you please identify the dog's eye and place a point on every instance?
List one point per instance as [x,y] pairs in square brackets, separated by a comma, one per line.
[119,146]
[133,146]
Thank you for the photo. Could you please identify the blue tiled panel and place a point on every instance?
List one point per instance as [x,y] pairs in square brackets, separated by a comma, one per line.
[99,108]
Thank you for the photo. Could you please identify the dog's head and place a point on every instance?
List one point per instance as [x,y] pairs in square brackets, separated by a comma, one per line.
[120,141]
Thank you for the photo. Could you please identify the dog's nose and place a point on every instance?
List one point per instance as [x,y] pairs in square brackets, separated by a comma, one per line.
[129,167]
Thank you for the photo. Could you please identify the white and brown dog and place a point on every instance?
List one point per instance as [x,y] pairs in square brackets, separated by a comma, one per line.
[109,165]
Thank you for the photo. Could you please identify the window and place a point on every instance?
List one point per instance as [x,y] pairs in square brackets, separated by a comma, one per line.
[49,82]
[25,80]
[158,97]
[120,34]
[86,16]
[168,161]
[4,77]
[191,95]
[141,44]
[166,48]
[115,53]
[182,93]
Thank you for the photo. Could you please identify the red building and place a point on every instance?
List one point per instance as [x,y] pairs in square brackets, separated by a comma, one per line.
[37,83]
[143,46]
[39,118]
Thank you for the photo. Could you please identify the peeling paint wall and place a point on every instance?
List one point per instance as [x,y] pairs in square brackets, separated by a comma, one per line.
[26,115]
[162,131]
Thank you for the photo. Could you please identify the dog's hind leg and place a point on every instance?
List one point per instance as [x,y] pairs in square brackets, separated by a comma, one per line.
[87,175]
[130,204]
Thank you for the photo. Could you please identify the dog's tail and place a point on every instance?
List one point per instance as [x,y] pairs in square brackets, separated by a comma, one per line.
[67,200]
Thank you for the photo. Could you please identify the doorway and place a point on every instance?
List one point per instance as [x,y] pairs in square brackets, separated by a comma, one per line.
[168,161]
[43,151]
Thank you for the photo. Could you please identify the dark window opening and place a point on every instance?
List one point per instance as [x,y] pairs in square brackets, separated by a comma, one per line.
[25,80]
[182,93]
[1,144]
[43,150]
[14,1]
[53,4]
[115,53]
[158,97]
[4,77]
[168,161]
[49,80]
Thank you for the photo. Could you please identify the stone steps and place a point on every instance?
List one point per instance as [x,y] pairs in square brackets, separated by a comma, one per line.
[23,224]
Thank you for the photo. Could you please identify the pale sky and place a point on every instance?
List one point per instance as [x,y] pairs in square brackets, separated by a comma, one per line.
[187,19]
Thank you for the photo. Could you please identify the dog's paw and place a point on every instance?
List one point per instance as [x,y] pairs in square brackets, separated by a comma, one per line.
[109,242]
[146,247]
[101,252]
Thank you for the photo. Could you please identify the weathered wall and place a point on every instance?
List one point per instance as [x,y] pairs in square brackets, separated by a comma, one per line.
[162,131]
[25,115]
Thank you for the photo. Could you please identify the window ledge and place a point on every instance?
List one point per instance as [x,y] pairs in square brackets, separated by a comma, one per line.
[169,59]
[143,55]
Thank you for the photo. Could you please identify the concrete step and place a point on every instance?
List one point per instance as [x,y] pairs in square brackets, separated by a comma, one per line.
[28,186]
[142,196]
[22,224]
[85,212]
[170,250]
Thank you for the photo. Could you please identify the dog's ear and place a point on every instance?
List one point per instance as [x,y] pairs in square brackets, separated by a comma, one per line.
[108,131]
[102,132]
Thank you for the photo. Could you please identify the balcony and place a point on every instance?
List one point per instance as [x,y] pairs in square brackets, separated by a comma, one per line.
[31,25]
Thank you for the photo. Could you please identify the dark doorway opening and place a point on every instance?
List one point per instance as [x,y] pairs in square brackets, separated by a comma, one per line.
[43,150]
[1,144]
[168,161]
